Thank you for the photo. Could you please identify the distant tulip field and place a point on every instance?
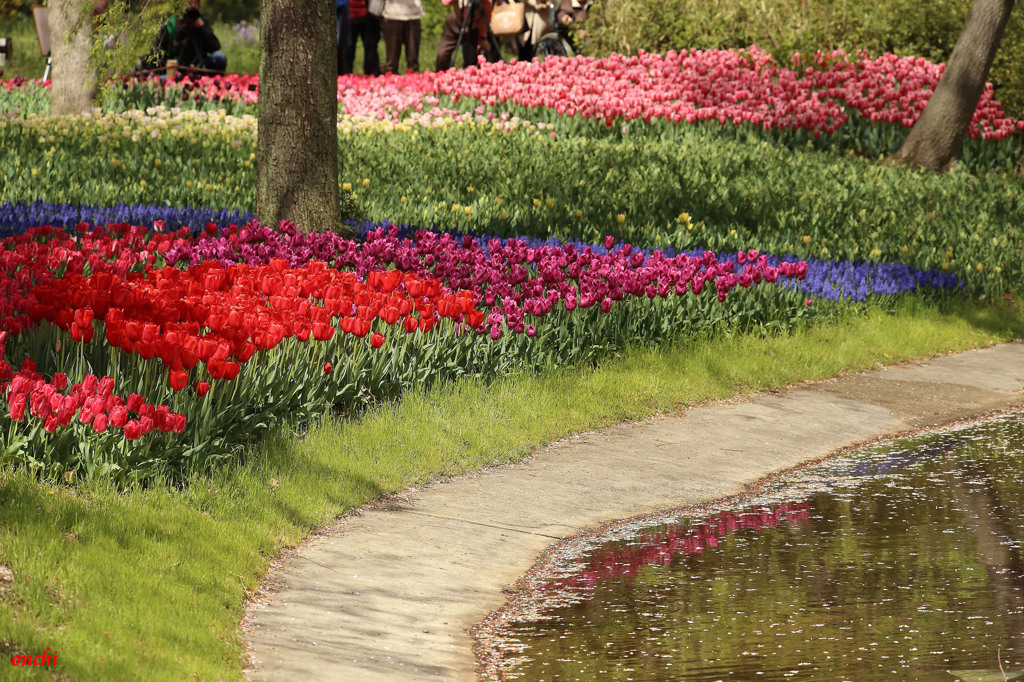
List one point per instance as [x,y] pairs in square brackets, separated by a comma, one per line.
[815,94]
[520,216]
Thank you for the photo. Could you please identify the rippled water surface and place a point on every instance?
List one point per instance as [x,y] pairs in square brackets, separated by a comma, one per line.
[900,561]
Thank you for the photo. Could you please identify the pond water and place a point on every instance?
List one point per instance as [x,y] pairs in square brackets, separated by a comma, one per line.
[901,560]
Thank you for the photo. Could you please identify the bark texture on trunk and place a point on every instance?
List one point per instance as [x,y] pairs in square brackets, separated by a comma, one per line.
[72,82]
[936,139]
[297,155]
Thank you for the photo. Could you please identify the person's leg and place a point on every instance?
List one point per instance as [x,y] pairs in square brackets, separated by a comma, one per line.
[412,45]
[344,38]
[392,31]
[469,42]
[449,37]
[371,37]
[494,53]
[355,29]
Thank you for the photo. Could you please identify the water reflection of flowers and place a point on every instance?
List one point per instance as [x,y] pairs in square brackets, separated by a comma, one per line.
[659,547]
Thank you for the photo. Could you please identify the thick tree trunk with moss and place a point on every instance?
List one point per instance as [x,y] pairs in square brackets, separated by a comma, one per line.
[297,155]
[72,81]
[936,139]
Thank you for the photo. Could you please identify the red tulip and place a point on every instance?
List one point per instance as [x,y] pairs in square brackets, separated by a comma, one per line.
[376,339]
[323,332]
[178,379]
[414,287]
[17,409]
[106,386]
[248,348]
[360,328]
[231,370]
[133,330]
[134,402]
[83,317]
[132,430]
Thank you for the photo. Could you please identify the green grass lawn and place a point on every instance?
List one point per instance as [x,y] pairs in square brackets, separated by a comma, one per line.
[151,584]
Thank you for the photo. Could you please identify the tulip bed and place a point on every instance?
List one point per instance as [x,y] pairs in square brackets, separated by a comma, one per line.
[181,346]
[187,343]
[829,279]
[832,99]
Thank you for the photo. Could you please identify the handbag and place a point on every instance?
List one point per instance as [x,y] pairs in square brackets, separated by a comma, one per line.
[507,19]
[375,8]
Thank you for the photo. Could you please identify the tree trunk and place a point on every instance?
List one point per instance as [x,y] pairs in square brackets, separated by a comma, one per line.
[936,139]
[72,82]
[994,542]
[297,156]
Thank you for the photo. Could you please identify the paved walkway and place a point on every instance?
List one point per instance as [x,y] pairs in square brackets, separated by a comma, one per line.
[390,594]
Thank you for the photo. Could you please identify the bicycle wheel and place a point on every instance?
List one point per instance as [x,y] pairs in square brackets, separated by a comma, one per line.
[552,45]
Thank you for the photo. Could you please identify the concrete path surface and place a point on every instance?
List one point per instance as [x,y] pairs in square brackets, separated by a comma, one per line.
[389,593]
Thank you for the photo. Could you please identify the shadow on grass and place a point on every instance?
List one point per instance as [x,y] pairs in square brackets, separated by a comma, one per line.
[1003,319]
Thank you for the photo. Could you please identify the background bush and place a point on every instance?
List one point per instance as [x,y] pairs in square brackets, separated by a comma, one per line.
[231,10]
[905,27]
[9,8]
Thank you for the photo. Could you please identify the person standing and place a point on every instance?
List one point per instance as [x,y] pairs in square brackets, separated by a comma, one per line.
[344,38]
[477,39]
[402,27]
[365,27]
[191,41]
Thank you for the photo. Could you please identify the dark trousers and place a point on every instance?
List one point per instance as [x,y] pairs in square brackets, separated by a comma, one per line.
[450,36]
[396,34]
[344,34]
[366,29]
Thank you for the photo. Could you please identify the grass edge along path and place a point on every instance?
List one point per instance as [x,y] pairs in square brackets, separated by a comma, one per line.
[152,584]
